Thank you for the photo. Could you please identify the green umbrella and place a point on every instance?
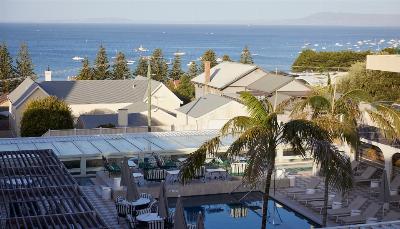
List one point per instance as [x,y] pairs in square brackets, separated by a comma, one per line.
[163,201]
[385,192]
[125,172]
[132,193]
[200,221]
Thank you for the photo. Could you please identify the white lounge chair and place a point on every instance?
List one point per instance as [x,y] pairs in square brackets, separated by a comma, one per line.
[319,205]
[366,175]
[370,212]
[296,190]
[306,198]
[356,204]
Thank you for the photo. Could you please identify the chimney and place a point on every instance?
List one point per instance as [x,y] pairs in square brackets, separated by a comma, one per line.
[47,74]
[123,117]
[207,72]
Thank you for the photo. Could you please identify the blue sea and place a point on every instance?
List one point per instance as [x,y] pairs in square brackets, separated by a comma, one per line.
[273,47]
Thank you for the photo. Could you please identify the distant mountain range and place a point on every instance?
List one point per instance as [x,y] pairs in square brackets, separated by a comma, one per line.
[343,19]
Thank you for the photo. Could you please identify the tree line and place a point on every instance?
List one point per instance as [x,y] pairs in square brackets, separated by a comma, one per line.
[12,74]
[175,78]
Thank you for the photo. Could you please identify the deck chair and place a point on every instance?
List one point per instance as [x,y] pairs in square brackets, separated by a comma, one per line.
[296,190]
[366,175]
[354,165]
[156,224]
[319,205]
[395,184]
[356,204]
[391,216]
[370,212]
[306,198]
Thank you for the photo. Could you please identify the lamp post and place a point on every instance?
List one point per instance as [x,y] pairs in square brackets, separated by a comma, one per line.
[148,96]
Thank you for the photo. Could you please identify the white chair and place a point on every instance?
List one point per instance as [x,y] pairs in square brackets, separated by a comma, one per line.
[156,224]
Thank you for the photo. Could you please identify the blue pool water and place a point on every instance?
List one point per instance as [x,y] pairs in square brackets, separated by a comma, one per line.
[225,211]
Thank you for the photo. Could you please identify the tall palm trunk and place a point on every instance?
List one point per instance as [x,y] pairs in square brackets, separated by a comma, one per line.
[266,196]
[325,209]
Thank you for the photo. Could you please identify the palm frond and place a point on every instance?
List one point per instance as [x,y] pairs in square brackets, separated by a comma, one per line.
[197,159]
[237,125]
[356,95]
[387,119]
[301,134]
[255,107]
[316,103]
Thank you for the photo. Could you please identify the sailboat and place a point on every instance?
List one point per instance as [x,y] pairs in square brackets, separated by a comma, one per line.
[141,49]
[77,58]
[178,53]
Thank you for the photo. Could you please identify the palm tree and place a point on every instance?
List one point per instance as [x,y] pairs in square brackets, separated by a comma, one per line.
[339,115]
[336,168]
[258,136]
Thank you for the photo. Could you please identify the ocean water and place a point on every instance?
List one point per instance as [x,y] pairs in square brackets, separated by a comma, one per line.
[273,47]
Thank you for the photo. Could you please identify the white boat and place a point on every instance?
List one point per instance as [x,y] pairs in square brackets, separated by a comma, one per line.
[141,49]
[323,48]
[219,59]
[338,44]
[303,47]
[255,54]
[177,53]
[130,62]
[169,62]
[316,45]
[77,58]
[190,63]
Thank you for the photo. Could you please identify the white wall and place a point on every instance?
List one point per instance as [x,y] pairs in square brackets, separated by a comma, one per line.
[78,109]
[214,119]
[164,98]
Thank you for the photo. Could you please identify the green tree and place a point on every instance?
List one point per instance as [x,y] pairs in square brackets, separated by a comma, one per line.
[310,60]
[193,70]
[380,85]
[86,72]
[120,68]
[159,67]
[7,73]
[102,67]
[245,56]
[176,71]
[24,66]
[185,89]
[258,137]
[226,58]
[141,67]
[208,55]
[45,114]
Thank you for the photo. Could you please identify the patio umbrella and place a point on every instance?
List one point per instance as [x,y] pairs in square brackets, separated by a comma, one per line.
[179,218]
[125,172]
[132,193]
[200,221]
[163,202]
[385,193]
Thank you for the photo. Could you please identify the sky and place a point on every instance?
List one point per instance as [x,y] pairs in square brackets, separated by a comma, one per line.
[183,11]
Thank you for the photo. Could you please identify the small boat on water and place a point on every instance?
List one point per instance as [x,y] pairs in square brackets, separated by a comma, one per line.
[130,62]
[77,58]
[219,59]
[178,53]
[190,63]
[141,49]
[323,48]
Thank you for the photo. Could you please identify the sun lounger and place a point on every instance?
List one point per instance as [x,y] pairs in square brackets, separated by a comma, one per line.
[354,165]
[370,212]
[395,199]
[391,216]
[296,190]
[306,198]
[319,205]
[366,175]
[395,184]
[356,204]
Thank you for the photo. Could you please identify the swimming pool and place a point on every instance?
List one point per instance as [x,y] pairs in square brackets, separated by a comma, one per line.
[233,212]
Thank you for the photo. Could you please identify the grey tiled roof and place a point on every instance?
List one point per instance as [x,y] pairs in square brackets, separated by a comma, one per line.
[134,119]
[203,105]
[225,73]
[99,91]
[270,82]
[22,91]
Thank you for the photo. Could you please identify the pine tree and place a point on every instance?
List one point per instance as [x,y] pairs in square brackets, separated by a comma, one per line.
[102,67]
[193,71]
[226,58]
[185,89]
[86,72]
[245,57]
[141,67]
[209,55]
[121,70]
[6,70]
[24,66]
[159,66]
[176,71]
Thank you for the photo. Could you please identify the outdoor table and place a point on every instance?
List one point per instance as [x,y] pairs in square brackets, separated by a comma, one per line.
[216,173]
[139,178]
[140,202]
[172,176]
[182,159]
[148,217]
